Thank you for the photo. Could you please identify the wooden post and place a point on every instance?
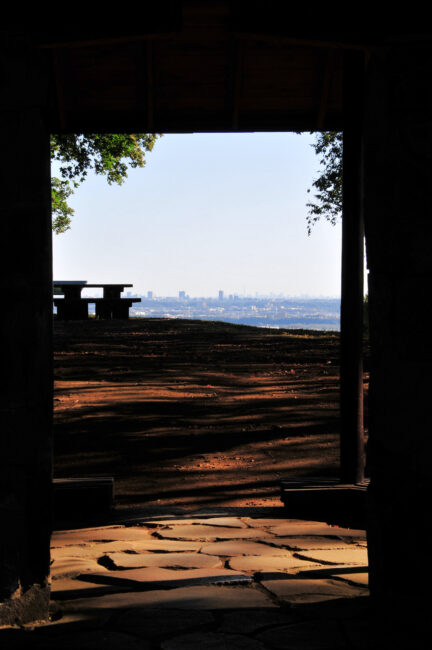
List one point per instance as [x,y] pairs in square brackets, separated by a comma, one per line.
[397,172]
[352,452]
[26,334]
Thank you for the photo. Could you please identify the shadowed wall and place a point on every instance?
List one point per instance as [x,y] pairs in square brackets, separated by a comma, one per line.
[26,377]
[79,94]
[398,166]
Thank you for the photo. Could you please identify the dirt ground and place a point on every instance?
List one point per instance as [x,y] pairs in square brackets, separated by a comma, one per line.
[194,413]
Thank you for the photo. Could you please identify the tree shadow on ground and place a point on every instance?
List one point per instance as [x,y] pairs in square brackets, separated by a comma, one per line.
[185,407]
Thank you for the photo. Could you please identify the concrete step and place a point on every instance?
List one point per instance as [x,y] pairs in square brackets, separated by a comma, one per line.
[325,498]
[82,496]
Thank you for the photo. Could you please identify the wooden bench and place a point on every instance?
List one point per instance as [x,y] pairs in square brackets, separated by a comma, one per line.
[73,307]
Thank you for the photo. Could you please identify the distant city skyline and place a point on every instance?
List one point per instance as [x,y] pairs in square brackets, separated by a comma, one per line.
[185,295]
[273,312]
[208,213]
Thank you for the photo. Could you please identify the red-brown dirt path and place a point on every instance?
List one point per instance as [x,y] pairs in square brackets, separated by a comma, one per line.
[192,412]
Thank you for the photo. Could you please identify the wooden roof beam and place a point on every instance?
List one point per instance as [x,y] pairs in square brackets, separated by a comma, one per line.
[325,88]
[237,79]
[150,86]
[280,39]
[58,65]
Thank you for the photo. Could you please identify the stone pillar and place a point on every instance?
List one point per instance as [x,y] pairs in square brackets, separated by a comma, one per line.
[26,334]
[398,223]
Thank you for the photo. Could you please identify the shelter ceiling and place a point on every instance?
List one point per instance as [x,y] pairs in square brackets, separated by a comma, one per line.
[204,66]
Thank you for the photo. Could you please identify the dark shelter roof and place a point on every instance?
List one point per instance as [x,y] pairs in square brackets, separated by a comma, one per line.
[200,66]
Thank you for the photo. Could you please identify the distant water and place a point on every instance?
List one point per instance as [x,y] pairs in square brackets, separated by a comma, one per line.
[306,323]
[281,313]
[314,322]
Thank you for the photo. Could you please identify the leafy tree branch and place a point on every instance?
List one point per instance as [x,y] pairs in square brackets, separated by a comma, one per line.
[109,155]
[327,201]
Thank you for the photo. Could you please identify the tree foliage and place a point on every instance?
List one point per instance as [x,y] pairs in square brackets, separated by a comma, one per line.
[109,155]
[327,201]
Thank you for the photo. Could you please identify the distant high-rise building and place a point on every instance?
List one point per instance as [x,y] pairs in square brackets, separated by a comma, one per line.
[150,295]
[221,295]
[182,295]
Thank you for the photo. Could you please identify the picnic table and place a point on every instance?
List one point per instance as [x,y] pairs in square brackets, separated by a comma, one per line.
[73,307]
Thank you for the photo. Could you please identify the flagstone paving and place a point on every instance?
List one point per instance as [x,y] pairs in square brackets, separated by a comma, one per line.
[204,532]
[70,566]
[207,581]
[169,560]
[304,590]
[240,547]
[260,563]
[306,543]
[108,533]
[161,578]
[337,556]
[360,578]
[316,635]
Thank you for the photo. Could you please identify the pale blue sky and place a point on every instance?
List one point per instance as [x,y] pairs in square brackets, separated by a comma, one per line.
[208,212]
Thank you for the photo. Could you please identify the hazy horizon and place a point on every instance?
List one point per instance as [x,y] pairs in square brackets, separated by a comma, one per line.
[252,296]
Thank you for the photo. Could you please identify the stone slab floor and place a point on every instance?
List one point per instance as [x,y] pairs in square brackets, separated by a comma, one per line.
[208,581]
